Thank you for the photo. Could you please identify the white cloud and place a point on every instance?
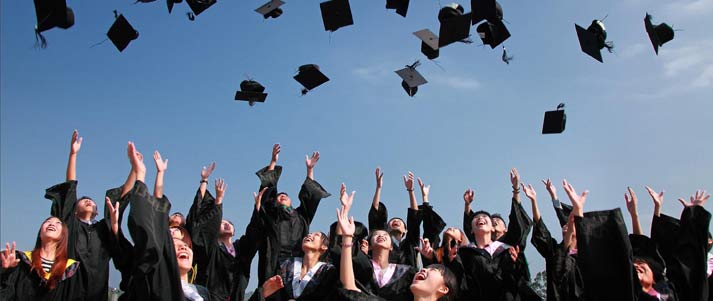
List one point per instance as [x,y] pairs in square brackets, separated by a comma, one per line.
[692,63]
[634,50]
[456,82]
[375,73]
[695,7]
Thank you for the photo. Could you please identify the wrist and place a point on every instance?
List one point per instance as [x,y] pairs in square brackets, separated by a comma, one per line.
[409,189]
[204,180]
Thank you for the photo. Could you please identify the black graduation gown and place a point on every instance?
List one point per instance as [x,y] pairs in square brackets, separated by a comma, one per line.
[399,286]
[646,249]
[21,283]
[683,246]
[92,245]
[154,269]
[322,286]
[360,261]
[564,282]
[403,252]
[604,256]
[283,230]
[349,295]
[482,276]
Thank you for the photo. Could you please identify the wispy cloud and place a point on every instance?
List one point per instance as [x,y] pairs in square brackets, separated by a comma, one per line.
[456,82]
[691,63]
[634,50]
[374,73]
[692,7]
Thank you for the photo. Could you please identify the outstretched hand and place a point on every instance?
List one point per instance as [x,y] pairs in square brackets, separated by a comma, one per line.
[426,250]
[206,171]
[424,189]
[8,257]
[137,161]
[161,165]
[698,199]
[272,285]
[577,200]
[345,198]
[656,197]
[408,181]
[514,178]
[529,192]
[379,177]
[346,224]
[220,188]
[76,143]
[312,161]
[469,196]
[258,198]
[275,152]
[114,215]
[631,201]
[551,189]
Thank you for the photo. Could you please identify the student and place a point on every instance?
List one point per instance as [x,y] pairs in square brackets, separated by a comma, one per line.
[46,272]
[184,260]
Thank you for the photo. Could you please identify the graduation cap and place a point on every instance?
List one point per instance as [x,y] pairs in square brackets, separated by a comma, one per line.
[454,28]
[411,78]
[336,14]
[401,6]
[251,91]
[489,10]
[429,43]
[121,33]
[271,9]
[593,39]
[170,4]
[493,33]
[658,34]
[51,14]
[554,121]
[198,6]
[310,77]
[449,11]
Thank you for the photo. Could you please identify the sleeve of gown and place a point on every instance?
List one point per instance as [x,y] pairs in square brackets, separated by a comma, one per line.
[377,217]
[206,228]
[269,179]
[199,205]
[310,195]
[143,230]
[664,231]
[8,282]
[688,270]
[542,240]
[64,198]
[468,224]
[433,224]
[519,227]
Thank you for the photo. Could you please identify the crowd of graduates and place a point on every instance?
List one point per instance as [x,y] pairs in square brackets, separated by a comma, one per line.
[194,257]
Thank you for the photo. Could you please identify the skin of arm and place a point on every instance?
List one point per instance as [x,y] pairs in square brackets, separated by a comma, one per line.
[577,200]
[161,166]
[408,182]
[468,198]
[311,162]
[205,174]
[275,155]
[346,224]
[515,181]
[530,193]
[631,206]
[72,162]
[377,193]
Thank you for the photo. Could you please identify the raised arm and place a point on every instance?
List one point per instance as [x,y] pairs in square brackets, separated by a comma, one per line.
[205,174]
[657,197]
[161,166]
[346,224]
[408,182]
[515,181]
[433,224]
[532,195]
[425,189]
[73,150]
[577,200]
[206,226]
[377,193]
[468,197]
[275,155]
[311,192]
[311,162]
[631,206]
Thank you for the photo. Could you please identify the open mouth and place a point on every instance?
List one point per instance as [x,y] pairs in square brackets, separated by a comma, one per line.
[422,275]
[381,239]
[480,223]
[307,239]
[51,228]
[183,256]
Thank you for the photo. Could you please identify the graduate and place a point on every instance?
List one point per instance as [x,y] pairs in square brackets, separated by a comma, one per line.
[46,272]
[284,227]
[435,282]
[89,241]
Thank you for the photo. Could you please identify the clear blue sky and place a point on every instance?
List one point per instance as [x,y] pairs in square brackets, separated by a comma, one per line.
[638,119]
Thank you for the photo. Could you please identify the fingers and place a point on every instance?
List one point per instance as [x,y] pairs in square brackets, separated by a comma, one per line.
[343,189]
[683,202]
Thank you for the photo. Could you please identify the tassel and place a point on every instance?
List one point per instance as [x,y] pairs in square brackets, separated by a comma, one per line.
[505,56]
[40,40]
[116,14]
[414,65]
[610,46]
[304,91]
[191,16]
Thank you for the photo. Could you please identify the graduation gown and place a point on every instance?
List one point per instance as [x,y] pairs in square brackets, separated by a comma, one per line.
[403,252]
[282,229]
[321,286]
[604,256]
[154,270]
[483,276]
[399,286]
[360,261]
[21,283]
[564,282]
[645,248]
[683,245]
[91,244]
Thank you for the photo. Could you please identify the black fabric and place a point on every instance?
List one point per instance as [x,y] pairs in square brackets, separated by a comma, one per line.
[360,261]
[92,245]
[605,256]
[433,224]
[564,282]
[21,283]
[399,286]
[484,277]
[562,211]
[404,251]
[349,295]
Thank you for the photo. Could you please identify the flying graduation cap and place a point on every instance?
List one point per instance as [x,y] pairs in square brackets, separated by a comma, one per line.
[429,43]
[554,121]
[310,77]
[336,14]
[493,33]
[51,14]
[170,4]
[489,10]
[271,9]
[658,34]
[455,25]
[593,39]
[411,79]
[251,91]
[121,33]
[401,6]
[198,6]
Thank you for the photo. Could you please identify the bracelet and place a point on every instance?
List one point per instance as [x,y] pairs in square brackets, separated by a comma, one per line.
[204,181]
[409,189]
[349,245]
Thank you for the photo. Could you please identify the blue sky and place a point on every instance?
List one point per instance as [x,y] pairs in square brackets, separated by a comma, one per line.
[638,119]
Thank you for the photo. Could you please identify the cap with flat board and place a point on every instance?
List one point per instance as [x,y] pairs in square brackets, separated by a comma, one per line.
[489,10]
[121,33]
[50,14]
[593,39]
[450,10]
[251,91]
[401,6]
[454,29]
[271,9]
[411,78]
[170,4]
[336,14]
[493,33]
[198,6]
[429,43]
[555,121]
[310,77]
[658,34]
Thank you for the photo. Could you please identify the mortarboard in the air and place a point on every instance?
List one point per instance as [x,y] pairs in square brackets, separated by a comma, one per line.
[555,121]
[489,10]
[310,77]
[401,6]
[658,34]
[429,43]
[450,10]
[453,29]
[50,14]
[121,33]
[271,9]
[170,4]
[336,14]
[411,78]
[251,91]
[198,6]
[593,39]
[493,33]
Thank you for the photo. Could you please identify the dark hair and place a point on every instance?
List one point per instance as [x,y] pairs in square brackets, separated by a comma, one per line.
[95,212]
[497,215]
[449,279]
[186,236]
[325,239]
[183,219]
[60,258]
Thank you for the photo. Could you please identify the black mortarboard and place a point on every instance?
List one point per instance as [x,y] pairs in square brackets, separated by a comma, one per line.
[170,4]
[454,29]
[593,39]
[562,211]
[310,77]
[50,14]
[411,78]
[658,34]
[401,6]
[554,121]
[251,91]
[198,6]
[493,33]
[121,33]
[489,10]
[429,43]
[449,11]
[270,9]
[336,14]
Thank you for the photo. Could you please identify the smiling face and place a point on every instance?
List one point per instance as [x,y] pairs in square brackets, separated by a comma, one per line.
[499,227]
[176,220]
[380,239]
[643,271]
[314,241]
[482,224]
[226,228]
[86,208]
[184,256]
[429,282]
[51,230]
[453,233]
[284,200]
[396,224]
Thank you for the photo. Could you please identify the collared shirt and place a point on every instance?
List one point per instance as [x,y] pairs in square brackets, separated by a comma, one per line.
[383,276]
[229,248]
[493,248]
[298,285]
